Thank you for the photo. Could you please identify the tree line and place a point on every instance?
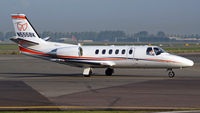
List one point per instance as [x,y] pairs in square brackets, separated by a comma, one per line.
[105,36]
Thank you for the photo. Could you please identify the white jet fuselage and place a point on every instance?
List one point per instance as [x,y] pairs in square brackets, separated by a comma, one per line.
[107,56]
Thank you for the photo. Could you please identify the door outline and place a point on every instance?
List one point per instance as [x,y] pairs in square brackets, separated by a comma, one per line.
[130,55]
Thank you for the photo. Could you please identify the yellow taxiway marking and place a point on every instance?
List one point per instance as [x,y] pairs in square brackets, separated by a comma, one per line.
[96,107]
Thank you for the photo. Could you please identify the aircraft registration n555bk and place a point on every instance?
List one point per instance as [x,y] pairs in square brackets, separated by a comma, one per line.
[90,57]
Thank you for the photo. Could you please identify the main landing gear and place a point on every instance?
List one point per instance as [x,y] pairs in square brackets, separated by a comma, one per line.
[87,72]
[171,73]
[109,71]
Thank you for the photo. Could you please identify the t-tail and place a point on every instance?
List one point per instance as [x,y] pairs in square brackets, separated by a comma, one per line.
[26,35]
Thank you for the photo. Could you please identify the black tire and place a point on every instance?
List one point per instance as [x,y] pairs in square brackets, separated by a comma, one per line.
[87,75]
[109,72]
[171,74]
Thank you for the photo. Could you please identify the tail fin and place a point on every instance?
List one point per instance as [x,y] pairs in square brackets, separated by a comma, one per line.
[24,30]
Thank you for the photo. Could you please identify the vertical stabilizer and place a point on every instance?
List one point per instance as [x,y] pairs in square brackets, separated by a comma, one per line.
[24,30]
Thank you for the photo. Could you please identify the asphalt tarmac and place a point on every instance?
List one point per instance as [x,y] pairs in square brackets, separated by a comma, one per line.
[28,83]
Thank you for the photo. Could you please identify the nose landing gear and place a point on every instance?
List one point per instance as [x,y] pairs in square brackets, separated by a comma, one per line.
[171,73]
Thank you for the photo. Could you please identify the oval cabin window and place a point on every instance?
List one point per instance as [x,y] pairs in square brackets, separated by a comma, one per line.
[130,51]
[103,51]
[110,51]
[117,51]
[97,51]
[123,51]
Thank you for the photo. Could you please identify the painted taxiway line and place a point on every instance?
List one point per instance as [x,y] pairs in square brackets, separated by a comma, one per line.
[97,107]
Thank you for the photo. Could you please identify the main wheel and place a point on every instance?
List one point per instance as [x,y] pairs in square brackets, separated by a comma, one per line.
[109,71]
[171,74]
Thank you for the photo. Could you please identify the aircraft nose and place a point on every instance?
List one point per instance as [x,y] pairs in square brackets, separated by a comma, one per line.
[187,63]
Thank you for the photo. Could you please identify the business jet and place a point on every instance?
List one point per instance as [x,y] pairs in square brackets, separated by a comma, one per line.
[90,57]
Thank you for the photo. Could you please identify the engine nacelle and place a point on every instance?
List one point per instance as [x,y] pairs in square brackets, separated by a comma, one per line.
[66,51]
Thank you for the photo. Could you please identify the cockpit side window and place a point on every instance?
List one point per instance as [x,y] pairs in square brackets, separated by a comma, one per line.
[149,51]
[158,51]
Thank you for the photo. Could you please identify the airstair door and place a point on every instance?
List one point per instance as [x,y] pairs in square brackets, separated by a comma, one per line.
[130,52]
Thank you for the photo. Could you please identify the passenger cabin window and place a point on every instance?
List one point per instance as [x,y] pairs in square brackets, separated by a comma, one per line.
[110,51]
[130,51]
[97,51]
[123,51]
[150,51]
[103,51]
[117,51]
[158,51]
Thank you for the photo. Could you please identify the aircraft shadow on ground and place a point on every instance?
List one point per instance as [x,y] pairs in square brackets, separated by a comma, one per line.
[23,75]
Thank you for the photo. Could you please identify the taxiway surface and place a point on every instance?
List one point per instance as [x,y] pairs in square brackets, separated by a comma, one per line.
[30,83]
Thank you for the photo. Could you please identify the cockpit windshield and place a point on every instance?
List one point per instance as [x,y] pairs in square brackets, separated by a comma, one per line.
[158,50]
[150,51]
[154,51]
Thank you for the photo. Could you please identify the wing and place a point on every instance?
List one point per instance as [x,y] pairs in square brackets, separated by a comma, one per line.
[94,64]
[85,63]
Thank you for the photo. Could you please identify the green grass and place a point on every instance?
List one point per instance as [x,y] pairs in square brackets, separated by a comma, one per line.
[8,46]
[10,52]
[183,50]
[9,49]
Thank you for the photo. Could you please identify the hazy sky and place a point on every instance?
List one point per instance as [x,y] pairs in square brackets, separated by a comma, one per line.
[170,16]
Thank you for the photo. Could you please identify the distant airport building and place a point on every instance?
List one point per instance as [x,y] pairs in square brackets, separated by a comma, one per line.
[87,41]
[65,40]
[184,39]
[71,39]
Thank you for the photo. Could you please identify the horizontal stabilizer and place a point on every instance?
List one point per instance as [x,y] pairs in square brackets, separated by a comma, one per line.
[23,41]
[47,38]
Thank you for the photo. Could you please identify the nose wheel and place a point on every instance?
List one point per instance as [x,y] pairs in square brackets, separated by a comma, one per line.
[171,73]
